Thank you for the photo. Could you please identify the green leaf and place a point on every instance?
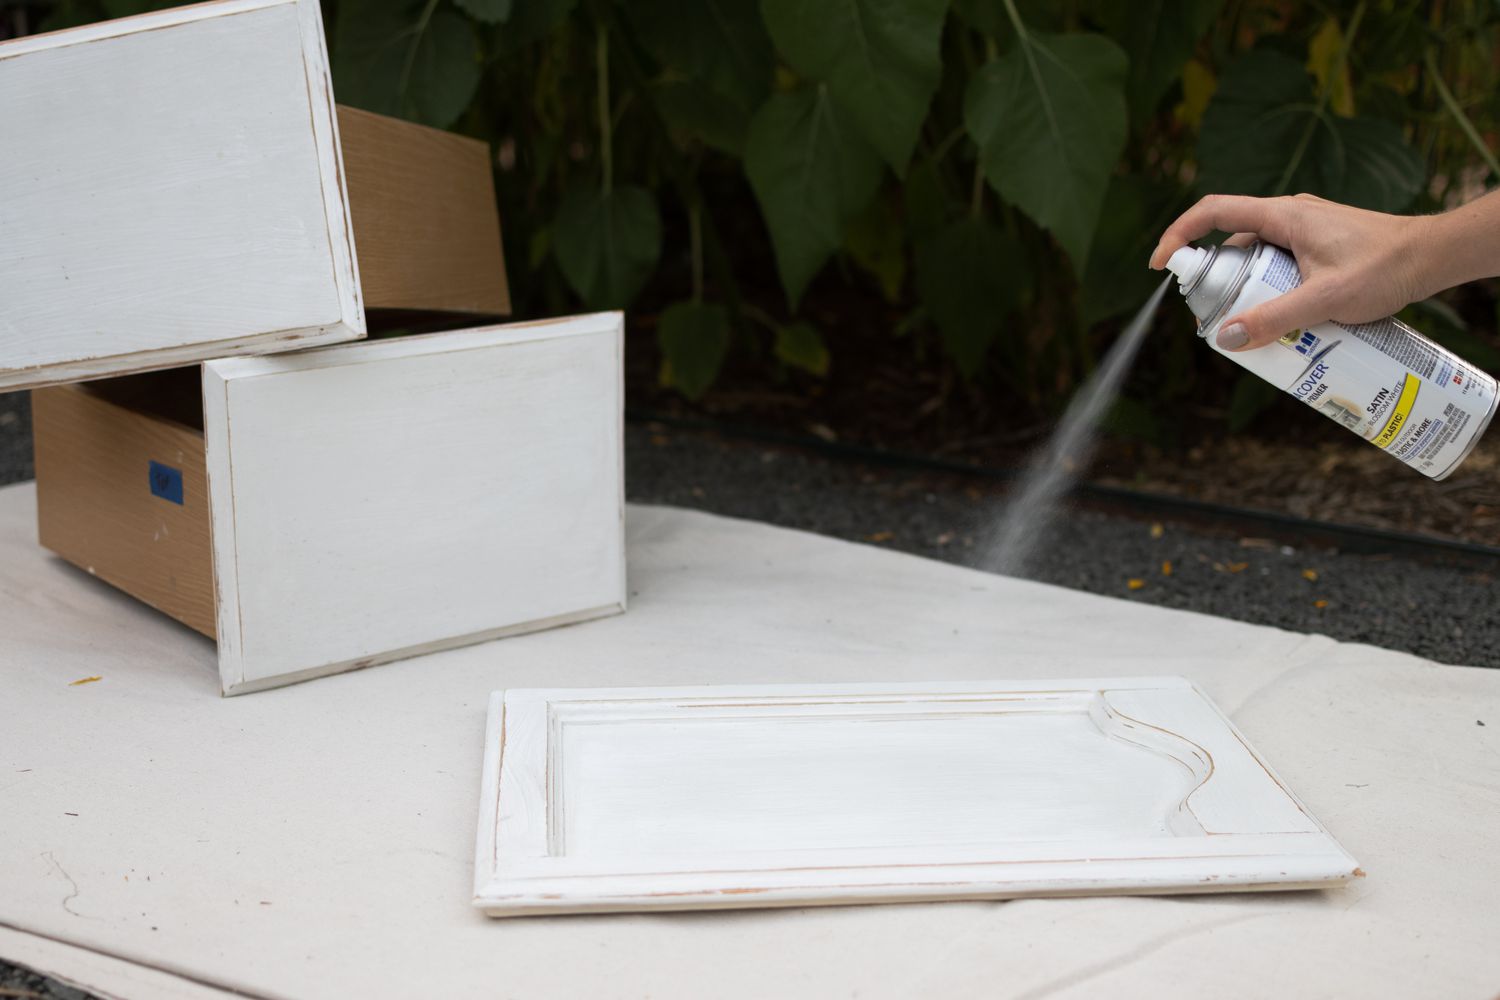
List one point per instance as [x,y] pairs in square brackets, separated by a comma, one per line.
[876,241]
[71,14]
[1117,279]
[1159,37]
[800,345]
[691,110]
[607,243]
[529,21]
[1264,134]
[989,18]
[721,42]
[924,201]
[694,339]
[127,8]
[488,11]
[1251,396]
[970,276]
[879,58]
[411,60]
[811,174]
[1049,118]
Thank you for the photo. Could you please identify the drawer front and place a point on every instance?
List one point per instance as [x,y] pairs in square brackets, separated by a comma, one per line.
[169,192]
[388,498]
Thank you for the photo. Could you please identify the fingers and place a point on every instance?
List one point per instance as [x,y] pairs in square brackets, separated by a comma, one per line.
[1269,217]
[1241,240]
[1302,307]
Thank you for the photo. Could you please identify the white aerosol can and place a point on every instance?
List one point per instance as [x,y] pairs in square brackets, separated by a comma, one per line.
[1382,380]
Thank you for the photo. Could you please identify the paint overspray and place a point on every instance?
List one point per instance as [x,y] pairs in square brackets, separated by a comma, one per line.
[1056,466]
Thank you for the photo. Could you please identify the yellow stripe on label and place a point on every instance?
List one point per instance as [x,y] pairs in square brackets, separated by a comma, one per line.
[1399,412]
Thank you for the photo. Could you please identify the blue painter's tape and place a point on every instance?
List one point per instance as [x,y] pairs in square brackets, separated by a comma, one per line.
[166,482]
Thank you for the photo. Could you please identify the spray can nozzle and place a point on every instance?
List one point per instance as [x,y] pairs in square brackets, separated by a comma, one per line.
[1188,263]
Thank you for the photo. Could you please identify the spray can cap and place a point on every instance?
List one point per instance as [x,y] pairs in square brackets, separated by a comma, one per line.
[1186,263]
[1210,277]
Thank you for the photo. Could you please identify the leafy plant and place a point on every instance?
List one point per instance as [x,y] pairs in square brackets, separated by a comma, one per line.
[993,172]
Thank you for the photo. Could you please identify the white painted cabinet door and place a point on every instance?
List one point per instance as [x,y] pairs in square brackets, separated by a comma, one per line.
[382,499]
[712,797]
[170,191]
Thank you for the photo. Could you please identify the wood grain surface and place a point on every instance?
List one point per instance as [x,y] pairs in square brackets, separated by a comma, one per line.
[425,222]
[96,508]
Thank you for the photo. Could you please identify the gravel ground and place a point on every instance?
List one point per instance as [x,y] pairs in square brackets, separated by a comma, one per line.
[1443,610]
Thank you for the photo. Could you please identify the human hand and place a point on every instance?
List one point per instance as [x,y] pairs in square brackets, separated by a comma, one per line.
[1356,265]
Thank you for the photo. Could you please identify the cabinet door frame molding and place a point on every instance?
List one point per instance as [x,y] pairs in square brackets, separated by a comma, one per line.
[623,799]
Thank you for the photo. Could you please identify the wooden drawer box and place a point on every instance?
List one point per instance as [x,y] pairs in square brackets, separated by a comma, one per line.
[335,508]
[179,186]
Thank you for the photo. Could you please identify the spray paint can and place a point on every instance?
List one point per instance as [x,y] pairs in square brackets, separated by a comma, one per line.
[1383,380]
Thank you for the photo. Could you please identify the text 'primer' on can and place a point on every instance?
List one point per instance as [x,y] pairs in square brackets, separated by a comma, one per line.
[1383,380]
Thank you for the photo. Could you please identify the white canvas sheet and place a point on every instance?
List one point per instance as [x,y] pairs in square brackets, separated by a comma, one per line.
[316,841]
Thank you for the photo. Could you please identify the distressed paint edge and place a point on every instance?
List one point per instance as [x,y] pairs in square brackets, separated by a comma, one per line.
[242,686]
[221,525]
[133,363]
[325,125]
[619,455]
[443,341]
[495,902]
[487,836]
[499,892]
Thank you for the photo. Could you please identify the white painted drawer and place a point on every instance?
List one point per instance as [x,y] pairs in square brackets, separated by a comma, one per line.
[353,504]
[173,188]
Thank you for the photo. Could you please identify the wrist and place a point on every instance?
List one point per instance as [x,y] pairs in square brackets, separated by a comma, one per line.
[1431,249]
[1462,244]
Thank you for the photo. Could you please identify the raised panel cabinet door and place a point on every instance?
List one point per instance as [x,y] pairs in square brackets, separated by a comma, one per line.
[170,191]
[377,500]
[796,795]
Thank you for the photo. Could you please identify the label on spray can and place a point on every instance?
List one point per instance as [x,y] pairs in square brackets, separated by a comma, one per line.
[1383,380]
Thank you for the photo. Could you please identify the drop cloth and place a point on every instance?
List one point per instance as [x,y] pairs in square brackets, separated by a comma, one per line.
[316,841]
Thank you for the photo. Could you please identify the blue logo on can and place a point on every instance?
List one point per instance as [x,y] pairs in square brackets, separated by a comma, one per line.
[1307,343]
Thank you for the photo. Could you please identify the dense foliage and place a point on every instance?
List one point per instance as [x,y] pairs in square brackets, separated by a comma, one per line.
[996,171]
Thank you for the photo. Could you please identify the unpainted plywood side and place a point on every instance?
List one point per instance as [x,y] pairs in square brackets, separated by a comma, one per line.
[426,226]
[96,506]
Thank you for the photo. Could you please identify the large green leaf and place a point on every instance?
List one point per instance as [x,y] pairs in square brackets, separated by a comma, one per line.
[1250,397]
[925,203]
[530,20]
[1159,37]
[1049,118]
[414,60]
[875,240]
[607,243]
[691,109]
[879,58]
[1264,134]
[1117,279]
[811,174]
[800,345]
[990,18]
[721,42]
[970,275]
[488,11]
[694,338]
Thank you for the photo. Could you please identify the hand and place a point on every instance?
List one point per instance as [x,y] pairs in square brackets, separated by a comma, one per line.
[1356,265]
